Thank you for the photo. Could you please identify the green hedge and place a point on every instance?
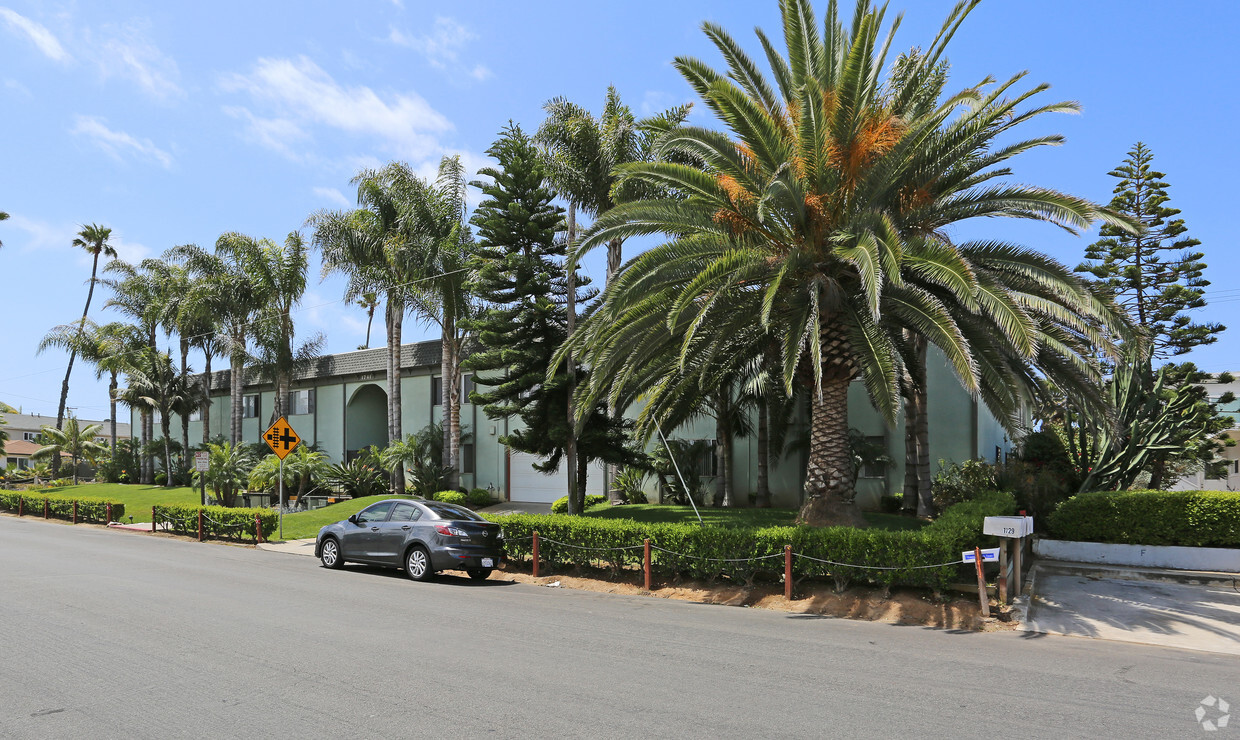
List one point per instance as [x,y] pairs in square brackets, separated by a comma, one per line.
[560,505]
[220,522]
[1186,518]
[699,552]
[450,497]
[90,509]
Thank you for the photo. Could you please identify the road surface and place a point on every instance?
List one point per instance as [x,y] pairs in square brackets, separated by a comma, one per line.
[112,634]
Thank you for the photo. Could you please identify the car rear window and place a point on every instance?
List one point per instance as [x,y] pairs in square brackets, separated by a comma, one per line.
[451,511]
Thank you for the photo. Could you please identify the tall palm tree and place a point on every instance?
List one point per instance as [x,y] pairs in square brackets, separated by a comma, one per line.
[800,223]
[378,247]
[93,239]
[136,294]
[279,278]
[228,292]
[73,440]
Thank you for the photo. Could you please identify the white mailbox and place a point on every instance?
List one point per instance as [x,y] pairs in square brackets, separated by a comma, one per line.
[1008,526]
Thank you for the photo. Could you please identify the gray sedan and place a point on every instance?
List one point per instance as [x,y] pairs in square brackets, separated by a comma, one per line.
[423,537]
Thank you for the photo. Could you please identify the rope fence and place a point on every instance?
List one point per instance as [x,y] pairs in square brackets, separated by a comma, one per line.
[788,555]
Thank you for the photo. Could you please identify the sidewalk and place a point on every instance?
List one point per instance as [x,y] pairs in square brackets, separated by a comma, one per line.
[293,547]
[1182,609]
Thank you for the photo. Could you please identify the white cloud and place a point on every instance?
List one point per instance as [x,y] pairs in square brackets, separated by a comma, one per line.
[43,236]
[36,32]
[119,144]
[442,47]
[126,52]
[332,195]
[297,92]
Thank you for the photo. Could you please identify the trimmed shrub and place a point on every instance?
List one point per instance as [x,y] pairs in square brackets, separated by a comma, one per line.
[451,497]
[560,505]
[1186,518]
[479,497]
[955,483]
[694,551]
[221,522]
[90,509]
[891,503]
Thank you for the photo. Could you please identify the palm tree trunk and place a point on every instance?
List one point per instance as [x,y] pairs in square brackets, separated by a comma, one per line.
[147,475]
[613,266]
[235,389]
[206,394]
[60,412]
[763,493]
[395,314]
[165,426]
[450,373]
[925,501]
[912,457]
[570,314]
[112,386]
[370,319]
[829,476]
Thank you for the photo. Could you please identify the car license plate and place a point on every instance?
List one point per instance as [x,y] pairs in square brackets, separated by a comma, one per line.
[488,563]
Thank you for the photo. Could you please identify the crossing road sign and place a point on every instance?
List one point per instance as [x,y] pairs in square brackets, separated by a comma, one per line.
[281,438]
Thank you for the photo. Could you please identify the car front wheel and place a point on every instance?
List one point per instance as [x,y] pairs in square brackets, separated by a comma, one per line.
[330,555]
[418,564]
[479,574]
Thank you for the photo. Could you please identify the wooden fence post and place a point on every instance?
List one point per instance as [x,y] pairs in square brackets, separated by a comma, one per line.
[258,530]
[646,561]
[536,554]
[981,582]
[152,519]
[200,525]
[788,572]
[75,511]
[21,501]
[46,508]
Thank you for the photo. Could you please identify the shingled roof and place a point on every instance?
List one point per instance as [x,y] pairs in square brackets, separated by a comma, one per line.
[346,364]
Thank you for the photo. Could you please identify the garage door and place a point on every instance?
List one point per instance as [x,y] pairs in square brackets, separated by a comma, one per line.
[528,485]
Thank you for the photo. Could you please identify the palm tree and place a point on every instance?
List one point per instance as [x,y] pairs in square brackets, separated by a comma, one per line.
[94,239]
[156,385]
[73,440]
[368,300]
[799,226]
[279,279]
[229,293]
[379,248]
[228,470]
[136,293]
[3,217]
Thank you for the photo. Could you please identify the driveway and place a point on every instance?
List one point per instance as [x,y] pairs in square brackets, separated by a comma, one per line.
[1081,601]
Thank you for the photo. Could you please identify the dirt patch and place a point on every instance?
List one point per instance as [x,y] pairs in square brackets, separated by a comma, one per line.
[902,606]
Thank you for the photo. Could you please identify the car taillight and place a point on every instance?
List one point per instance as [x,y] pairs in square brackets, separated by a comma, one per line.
[450,531]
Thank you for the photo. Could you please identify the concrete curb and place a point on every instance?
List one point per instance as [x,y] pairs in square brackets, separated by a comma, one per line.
[1162,575]
[1020,604]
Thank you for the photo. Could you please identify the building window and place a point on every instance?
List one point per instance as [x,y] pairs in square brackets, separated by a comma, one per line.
[249,407]
[30,436]
[708,463]
[467,458]
[467,387]
[436,391]
[196,414]
[301,402]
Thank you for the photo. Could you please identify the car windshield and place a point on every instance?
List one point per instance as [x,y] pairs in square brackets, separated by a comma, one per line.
[450,511]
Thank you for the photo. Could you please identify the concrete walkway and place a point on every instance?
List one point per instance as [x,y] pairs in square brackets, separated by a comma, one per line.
[292,547]
[1195,611]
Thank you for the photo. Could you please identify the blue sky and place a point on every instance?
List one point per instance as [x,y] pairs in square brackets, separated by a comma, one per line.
[174,122]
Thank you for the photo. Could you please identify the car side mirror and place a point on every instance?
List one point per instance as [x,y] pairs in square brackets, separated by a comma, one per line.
[353,518]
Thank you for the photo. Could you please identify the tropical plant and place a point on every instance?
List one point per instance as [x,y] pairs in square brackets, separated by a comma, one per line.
[75,441]
[228,470]
[802,226]
[361,476]
[155,385]
[420,456]
[3,217]
[680,470]
[304,470]
[93,239]
[368,300]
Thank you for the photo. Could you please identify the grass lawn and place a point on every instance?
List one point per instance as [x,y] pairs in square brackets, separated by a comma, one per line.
[306,524]
[655,513]
[138,500]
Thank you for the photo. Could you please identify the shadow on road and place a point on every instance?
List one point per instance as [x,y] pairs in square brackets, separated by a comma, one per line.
[450,578]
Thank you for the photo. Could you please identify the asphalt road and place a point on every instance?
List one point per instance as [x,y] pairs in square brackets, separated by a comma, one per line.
[114,634]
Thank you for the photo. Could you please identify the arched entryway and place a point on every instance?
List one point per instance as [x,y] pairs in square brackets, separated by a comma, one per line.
[365,420]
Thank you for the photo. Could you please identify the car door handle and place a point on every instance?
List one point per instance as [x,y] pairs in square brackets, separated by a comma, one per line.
[374,529]
[406,527]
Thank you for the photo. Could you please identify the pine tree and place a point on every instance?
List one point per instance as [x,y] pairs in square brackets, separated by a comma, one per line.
[1155,273]
[520,274]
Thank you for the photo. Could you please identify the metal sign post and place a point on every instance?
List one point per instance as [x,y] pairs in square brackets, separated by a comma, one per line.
[282,440]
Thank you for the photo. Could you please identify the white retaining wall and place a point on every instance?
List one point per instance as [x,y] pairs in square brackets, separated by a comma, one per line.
[1222,559]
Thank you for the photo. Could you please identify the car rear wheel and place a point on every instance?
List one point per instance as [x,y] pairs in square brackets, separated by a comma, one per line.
[418,563]
[479,574]
[330,554]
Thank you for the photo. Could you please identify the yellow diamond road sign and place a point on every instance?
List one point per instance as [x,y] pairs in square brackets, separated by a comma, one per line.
[281,438]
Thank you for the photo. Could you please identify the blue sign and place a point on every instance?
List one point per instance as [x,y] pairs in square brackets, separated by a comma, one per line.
[988,556]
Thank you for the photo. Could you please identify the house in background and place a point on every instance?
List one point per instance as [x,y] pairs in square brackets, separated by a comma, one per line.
[24,430]
[338,404]
[1230,455]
